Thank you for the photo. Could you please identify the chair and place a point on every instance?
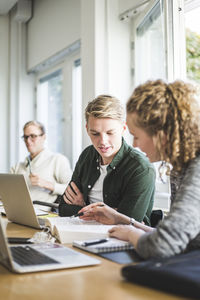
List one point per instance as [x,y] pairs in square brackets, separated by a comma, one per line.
[156,216]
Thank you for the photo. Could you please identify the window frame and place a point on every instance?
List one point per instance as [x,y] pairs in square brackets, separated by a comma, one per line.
[174,38]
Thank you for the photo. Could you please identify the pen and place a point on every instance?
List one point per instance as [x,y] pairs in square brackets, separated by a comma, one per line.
[82,213]
[95,242]
[77,215]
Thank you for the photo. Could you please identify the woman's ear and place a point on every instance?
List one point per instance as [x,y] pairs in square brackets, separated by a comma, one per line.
[162,137]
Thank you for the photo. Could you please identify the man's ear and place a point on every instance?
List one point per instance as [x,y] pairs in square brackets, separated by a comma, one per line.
[86,126]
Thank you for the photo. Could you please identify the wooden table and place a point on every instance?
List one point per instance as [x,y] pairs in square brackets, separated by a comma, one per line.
[102,282]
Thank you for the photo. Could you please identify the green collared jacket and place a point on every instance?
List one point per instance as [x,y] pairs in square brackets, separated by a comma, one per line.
[128,186]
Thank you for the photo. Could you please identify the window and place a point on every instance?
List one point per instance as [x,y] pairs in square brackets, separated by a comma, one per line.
[50,109]
[192,31]
[159,39]
[150,60]
[59,106]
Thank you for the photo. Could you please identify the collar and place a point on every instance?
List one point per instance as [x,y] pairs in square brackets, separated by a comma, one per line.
[117,158]
[43,154]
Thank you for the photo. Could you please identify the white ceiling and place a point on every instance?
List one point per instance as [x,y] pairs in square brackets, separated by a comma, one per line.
[6,5]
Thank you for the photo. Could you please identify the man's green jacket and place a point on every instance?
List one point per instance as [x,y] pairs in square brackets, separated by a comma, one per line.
[128,186]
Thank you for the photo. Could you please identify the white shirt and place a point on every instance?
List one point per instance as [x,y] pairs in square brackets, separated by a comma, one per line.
[96,193]
[53,167]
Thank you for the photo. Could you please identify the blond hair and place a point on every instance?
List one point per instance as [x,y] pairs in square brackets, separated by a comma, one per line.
[105,106]
[35,123]
[171,110]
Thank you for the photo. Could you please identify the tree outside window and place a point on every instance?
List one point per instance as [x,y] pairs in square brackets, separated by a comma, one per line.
[193,44]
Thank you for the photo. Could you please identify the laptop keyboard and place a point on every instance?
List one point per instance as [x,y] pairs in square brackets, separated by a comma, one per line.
[26,256]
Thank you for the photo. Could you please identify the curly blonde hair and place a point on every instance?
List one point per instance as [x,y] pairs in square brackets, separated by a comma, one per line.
[169,109]
[105,106]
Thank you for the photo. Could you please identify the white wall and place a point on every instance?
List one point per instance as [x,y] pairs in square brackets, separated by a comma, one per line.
[26,93]
[105,52]
[4,49]
[21,86]
[88,53]
[118,38]
[54,26]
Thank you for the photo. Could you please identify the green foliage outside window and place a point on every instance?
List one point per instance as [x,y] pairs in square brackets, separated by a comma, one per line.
[193,55]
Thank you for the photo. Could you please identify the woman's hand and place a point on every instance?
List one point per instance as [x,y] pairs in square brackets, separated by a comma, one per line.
[103,213]
[127,233]
[73,195]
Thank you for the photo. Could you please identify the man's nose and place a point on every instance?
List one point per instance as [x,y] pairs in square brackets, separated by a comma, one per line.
[103,138]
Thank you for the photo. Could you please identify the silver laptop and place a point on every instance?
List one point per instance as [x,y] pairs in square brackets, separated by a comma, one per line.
[40,257]
[17,201]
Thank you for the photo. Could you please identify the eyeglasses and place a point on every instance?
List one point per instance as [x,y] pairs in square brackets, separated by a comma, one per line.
[32,136]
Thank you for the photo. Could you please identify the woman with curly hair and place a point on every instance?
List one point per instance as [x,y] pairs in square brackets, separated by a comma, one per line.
[164,120]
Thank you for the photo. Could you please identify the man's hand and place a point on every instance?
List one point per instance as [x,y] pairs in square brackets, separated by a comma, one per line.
[73,196]
[38,181]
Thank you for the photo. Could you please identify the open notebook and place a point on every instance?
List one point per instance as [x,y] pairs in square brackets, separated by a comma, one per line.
[68,229]
[40,257]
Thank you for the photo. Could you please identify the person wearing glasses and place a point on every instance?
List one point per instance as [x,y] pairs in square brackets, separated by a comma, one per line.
[110,171]
[47,174]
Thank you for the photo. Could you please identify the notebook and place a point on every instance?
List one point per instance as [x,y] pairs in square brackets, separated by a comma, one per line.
[118,251]
[15,195]
[103,245]
[40,257]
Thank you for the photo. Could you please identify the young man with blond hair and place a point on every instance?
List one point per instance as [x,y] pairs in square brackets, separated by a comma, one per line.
[110,172]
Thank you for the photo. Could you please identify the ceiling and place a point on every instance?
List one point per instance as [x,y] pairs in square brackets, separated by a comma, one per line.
[6,5]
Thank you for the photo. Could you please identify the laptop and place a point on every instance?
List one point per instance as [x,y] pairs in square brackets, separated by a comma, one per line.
[15,195]
[40,257]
